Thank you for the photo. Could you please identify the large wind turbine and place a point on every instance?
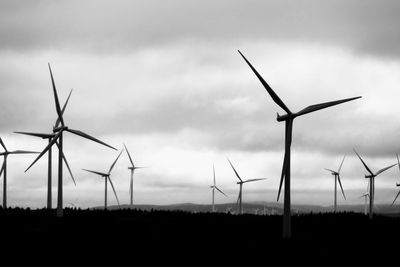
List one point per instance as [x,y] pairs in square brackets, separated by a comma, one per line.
[106,177]
[214,186]
[58,137]
[49,137]
[4,167]
[337,178]
[132,168]
[371,178]
[289,118]
[240,183]
[398,193]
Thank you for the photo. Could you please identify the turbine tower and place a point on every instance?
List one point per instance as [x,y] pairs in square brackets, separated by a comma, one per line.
[106,177]
[213,190]
[337,178]
[288,119]
[371,178]
[3,169]
[240,183]
[49,137]
[398,193]
[132,168]
[58,137]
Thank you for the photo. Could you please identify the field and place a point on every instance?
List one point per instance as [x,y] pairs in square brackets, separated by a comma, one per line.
[179,233]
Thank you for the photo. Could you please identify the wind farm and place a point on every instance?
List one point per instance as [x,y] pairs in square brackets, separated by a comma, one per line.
[192,131]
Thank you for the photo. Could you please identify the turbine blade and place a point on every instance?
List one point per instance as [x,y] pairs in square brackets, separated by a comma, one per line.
[365,165]
[115,193]
[398,193]
[53,141]
[2,144]
[2,167]
[129,155]
[23,152]
[214,175]
[84,135]
[341,187]
[271,92]
[330,170]
[220,191]
[66,164]
[234,170]
[341,164]
[253,180]
[237,201]
[115,161]
[316,107]
[41,135]
[384,169]
[63,109]
[57,102]
[398,161]
[95,172]
[282,176]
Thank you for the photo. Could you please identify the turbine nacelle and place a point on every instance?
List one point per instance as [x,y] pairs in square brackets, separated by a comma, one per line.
[61,128]
[284,117]
[369,176]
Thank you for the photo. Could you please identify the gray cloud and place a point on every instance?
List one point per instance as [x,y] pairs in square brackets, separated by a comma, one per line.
[366,26]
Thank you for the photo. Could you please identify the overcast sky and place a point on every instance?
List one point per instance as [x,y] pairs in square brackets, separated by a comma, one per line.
[165,78]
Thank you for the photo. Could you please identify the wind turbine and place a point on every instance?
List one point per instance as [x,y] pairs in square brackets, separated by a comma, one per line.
[58,137]
[240,183]
[213,190]
[398,193]
[289,118]
[3,169]
[106,177]
[132,168]
[49,137]
[337,178]
[371,178]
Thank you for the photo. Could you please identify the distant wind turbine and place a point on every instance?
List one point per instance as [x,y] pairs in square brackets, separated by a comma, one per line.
[58,137]
[371,178]
[289,118]
[49,153]
[337,178]
[107,178]
[132,168]
[365,196]
[398,193]
[240,183]
[214,186]
[3,169]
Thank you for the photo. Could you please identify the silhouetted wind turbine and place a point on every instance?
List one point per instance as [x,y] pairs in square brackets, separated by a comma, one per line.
[398,193]
[240,183]
[49,152]
[337,178]
[106,177]
[214,186]
[371,178]
[132,168]
[58,137]
[4,167]
[288,118]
